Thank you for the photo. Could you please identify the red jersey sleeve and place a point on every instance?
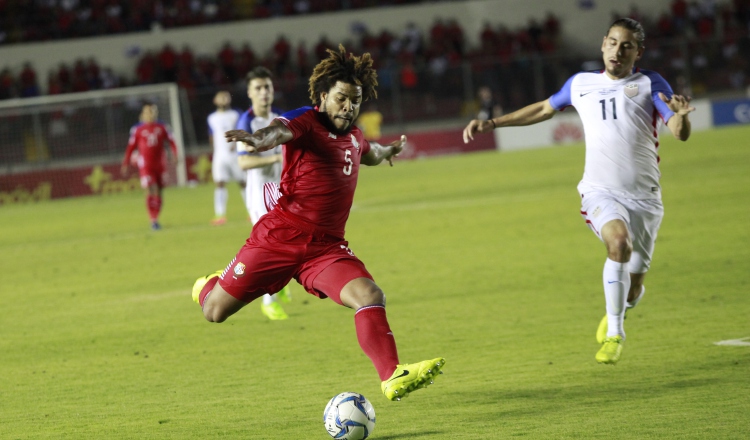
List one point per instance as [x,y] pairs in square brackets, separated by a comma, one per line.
[131,144]
[365,147]
[299,121]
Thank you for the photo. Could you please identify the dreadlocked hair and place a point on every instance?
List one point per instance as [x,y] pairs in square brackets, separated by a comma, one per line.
[347,68]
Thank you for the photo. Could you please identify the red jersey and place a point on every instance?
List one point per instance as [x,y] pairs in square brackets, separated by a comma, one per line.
[320,172]
[149,139]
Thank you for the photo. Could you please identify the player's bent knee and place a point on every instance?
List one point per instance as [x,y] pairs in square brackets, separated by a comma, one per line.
[362,292]
[214,314]
[619,248]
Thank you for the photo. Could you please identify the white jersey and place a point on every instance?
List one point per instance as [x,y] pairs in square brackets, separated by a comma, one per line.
[621,123]
[257,177]
[219,122]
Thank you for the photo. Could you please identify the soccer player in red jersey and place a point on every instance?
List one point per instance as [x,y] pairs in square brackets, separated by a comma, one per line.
[149,137]
[302,237]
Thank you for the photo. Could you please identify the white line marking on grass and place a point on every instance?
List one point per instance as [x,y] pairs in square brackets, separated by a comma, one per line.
[742,342]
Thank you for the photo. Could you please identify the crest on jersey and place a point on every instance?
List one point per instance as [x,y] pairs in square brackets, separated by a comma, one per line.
[239,269]
[354,142]
[631,90]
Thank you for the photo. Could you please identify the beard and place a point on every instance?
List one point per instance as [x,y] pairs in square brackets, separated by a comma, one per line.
[326,120]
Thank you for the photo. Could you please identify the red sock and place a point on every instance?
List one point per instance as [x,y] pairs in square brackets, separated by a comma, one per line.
[376,339]
[207,289]
[151,205]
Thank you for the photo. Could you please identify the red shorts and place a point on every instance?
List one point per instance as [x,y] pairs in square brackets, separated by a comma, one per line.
[152,176]
[276,252]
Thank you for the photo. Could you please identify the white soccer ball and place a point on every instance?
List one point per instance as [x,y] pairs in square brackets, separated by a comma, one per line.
[349,416]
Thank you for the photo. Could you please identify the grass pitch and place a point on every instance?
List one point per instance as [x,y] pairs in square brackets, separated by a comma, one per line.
[485,261]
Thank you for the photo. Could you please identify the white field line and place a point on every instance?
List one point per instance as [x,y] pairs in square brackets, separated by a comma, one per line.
[742,342]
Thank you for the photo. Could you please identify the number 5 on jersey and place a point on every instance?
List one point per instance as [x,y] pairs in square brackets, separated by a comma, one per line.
[348,160]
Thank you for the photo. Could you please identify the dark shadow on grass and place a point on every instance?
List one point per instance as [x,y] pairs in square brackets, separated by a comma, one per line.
[424,434]
[523,402]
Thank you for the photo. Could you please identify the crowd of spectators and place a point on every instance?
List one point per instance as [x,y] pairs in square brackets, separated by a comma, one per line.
[700,45]
[40,20]
[80,76]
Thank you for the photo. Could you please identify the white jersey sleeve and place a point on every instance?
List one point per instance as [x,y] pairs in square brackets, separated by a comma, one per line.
[219,122]
[621,123]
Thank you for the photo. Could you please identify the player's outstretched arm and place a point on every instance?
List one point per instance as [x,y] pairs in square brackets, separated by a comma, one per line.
[531,114]
[679,124]
[248,161]
[378,152]
[263,139]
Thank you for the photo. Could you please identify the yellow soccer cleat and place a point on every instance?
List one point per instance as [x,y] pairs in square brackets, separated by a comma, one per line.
[601,331]
[610,351]
[219,220]
[411,377]
[273,311]
[284,295]
[200,282]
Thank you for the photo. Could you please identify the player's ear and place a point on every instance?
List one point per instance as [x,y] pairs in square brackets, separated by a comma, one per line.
[323,96]
[640,53]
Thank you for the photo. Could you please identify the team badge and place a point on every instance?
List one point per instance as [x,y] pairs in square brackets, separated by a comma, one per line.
[631,90]
[239,269]
[354,142]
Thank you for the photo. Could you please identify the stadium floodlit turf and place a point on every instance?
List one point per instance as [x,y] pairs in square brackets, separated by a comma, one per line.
[485,261]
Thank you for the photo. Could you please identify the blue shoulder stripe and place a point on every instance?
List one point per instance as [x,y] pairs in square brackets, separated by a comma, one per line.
[296,113]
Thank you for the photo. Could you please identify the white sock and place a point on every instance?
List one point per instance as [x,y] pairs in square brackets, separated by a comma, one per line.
[220,201]
[616,286]
[247,201]
[631,304]
[268,299]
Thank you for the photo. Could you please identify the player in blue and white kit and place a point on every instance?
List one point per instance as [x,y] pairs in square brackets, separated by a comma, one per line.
[621,108]
[224,167]
[262,168]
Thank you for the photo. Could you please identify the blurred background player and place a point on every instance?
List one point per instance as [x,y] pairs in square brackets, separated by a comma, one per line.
[369,121]
[149,137]
[620,190]
[488,106]
[303,236]
[263,167]
[224,166]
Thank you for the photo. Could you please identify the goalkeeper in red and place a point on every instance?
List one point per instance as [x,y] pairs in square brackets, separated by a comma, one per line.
[149,137]
[302,237]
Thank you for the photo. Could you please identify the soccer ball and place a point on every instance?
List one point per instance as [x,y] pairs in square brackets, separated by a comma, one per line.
[349,416]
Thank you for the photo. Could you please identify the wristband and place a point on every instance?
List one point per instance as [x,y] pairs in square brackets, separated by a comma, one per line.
[492,121]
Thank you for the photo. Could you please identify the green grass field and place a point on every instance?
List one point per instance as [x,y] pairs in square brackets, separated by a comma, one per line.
[485,261]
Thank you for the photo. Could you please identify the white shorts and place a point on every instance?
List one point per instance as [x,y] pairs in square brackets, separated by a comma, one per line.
[258,196]
[225,168]
[643,218]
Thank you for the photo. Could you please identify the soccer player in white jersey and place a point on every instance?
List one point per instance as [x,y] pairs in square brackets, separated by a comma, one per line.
[224,166]
[262,167]
[621,108]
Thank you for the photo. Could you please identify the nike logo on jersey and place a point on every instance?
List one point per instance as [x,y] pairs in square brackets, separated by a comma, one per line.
[611,282]
[331,135]
[584,94]
[403,373]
